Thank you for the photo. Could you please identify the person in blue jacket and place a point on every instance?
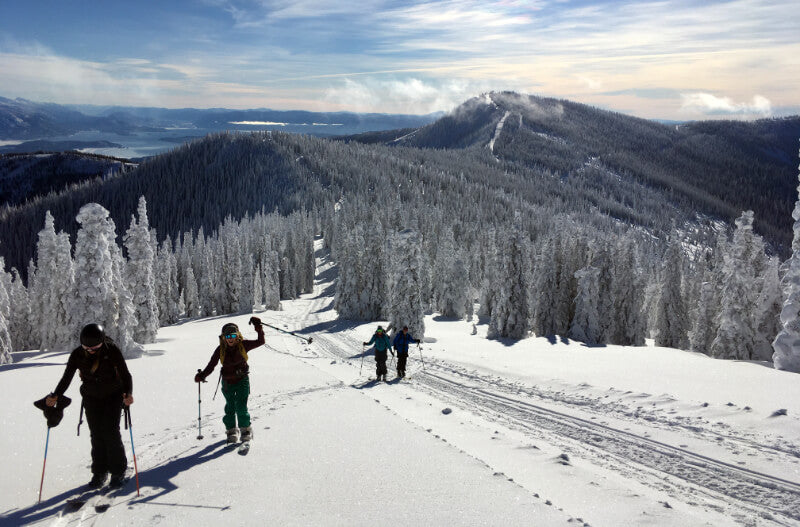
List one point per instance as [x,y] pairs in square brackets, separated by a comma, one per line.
[382,346]
[401,341]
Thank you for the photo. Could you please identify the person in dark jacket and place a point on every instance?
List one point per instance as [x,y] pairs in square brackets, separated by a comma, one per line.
[232,354]
[106,386]
[401,341]
[382,346]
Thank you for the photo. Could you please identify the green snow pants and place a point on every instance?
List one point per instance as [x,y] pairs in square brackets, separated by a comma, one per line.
[236,395]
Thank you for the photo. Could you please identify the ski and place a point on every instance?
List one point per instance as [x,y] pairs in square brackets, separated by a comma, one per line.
[244,448]
[75,503]
[107,497]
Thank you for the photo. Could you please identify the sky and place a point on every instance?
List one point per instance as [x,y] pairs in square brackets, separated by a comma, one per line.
[654,59]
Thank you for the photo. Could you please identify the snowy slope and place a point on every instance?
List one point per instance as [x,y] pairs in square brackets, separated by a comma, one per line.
[539,433]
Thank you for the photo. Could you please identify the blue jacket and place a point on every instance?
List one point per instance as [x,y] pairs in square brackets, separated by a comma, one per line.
[401,342]
[382,342]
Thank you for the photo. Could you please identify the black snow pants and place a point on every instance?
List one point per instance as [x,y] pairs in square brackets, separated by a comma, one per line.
[102,415]
[401,363]
[380,360]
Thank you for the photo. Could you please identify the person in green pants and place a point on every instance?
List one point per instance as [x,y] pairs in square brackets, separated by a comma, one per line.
[232,354]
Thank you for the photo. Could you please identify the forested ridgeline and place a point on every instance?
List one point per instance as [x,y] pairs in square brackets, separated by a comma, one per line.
[718,167]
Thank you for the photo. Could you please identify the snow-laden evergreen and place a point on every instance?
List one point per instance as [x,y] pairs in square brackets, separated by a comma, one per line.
[787,344]
[671,321]
[586,325]
[511,311]
[5,311]
[19,321]
[736,336]
[97,298]
[140,276]
[405,297]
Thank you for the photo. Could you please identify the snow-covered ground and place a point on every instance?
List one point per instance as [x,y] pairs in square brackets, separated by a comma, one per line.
[535,432]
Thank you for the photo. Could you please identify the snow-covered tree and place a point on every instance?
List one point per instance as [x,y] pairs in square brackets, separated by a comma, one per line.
[95,297]
[768,310]
[51,298]
[736,334]
[191,297]
[585,325]
[405,303]
[5,336]
[787,343]
[140,276]
[511,313]
[631,322]
[19,322]
[671,322]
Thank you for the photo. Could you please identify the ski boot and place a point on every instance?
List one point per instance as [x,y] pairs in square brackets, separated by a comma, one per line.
[247,433]
[98,480]
[233,435]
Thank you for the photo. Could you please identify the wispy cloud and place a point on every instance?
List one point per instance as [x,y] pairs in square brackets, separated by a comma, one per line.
[710,104]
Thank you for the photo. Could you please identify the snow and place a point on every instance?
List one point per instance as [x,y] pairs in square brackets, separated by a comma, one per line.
[541,432]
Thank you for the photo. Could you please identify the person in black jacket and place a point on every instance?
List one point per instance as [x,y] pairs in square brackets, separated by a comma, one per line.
[106,386]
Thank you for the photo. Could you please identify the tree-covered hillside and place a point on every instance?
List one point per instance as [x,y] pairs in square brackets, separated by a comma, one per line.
[718,167]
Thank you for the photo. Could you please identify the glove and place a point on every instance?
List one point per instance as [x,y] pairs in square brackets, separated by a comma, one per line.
[256,322]
[364,343]
[199,377]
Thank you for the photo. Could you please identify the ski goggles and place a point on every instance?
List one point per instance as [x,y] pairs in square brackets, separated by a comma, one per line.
[231,336]
[93,348]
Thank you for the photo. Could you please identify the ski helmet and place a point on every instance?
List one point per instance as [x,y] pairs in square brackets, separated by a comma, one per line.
[92,335]
[230,328]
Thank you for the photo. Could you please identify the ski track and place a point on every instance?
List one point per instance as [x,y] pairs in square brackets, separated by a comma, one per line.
[744,494]
[748,496]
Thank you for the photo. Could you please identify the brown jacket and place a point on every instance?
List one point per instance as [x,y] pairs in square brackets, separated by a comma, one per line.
[235,366]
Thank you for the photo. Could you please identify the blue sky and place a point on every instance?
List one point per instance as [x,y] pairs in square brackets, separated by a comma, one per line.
[653,59]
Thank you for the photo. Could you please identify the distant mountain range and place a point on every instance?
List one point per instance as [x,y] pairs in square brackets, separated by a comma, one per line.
[21,119]
[555,161]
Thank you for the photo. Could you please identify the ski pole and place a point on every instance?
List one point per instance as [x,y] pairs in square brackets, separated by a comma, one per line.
[309,339]
[420,355]
[46,444]
[199,414]
[129,425]
[363,353]
[219,379]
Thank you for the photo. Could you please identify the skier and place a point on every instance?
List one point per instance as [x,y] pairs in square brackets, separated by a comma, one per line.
[107,385]
[400,343]
[232,354]
[382,346]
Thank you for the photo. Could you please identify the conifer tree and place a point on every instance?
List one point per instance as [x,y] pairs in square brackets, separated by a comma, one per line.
[631,322]
[671,323]
[511,313]
[95,298]
[5,336]
[19,322]
[787,343]
[585,326]
[141,276]
[768,310]
[736,337]
[405,302]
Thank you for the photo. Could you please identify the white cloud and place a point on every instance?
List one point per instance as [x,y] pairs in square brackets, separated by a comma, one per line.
[403,96]
[710,104]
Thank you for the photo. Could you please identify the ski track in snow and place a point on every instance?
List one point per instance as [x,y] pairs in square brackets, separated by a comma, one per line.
[694,478]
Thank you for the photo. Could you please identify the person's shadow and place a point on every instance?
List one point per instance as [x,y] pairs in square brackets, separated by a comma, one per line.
[158,477]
